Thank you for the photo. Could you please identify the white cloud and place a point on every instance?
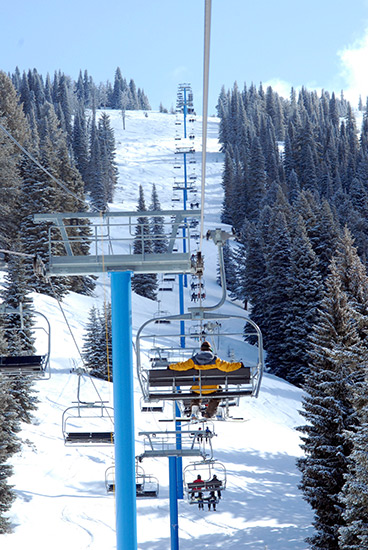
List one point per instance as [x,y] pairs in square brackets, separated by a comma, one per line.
[282,87]
[354,72]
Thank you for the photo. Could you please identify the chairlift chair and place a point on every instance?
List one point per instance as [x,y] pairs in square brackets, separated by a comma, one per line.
[152,406]
[168,384]
[110,479]
[31,365]
[146,485]
[206,469]
[88,424]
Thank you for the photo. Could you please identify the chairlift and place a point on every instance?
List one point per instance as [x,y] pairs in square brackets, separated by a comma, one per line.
[146,485]
[165,383]
[202,383]
[110,479]
[159,314]
[166,287]
[160,318]
[169,277]
[201,491]
[152,406]
[184,149]
[88,424]
[165,444]
[35,365]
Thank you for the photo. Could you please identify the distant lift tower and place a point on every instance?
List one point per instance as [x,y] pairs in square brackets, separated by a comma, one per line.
[184,147]
[183,184]
[109,241]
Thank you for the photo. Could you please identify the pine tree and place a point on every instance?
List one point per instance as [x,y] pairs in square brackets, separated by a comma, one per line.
[143,284]
[64,104]
[94,185]
[133,96]
[119,88]
[353,497]
[305,293]
[157,226]
[228,185]
[339,357]
[251,269]
[9,444]
[256,182]
[97,347]
[107,150]
[230,271]
[91,343]
[18,335]
[13,120]
[276,297]
[80,141]
[334,355]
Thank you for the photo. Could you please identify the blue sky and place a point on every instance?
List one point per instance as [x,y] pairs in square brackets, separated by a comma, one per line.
[159,43]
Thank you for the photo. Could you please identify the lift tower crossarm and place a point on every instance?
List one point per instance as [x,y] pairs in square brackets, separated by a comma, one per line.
[110,243]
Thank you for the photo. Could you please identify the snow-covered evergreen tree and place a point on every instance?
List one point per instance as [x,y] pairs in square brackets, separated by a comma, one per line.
[305,293]
[276,299]
[335,355]
[20,340]
[144,284]
[97,347]
[107,149]
[157,226]
[13,120]
[353,535]
[9,444]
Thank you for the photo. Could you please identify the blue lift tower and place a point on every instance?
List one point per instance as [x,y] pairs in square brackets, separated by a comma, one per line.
[185,162]
[110,234]
[184,185]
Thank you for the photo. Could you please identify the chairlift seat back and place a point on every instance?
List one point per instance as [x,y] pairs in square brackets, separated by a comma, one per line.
[22,364]
[232,383]
[89,438]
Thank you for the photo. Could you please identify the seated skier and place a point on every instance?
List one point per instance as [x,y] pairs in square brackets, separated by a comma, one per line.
[203,360]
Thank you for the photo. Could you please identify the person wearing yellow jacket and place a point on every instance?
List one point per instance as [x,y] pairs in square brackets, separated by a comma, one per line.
[203,360]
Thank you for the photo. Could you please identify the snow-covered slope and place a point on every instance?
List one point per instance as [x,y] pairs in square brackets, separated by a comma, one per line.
[62,501]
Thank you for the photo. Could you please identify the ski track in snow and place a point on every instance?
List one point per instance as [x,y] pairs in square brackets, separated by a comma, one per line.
[62,501]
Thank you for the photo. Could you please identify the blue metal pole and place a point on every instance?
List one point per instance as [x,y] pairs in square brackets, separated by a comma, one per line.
[122,357]
[185,110]
[174,521]
[179,460]
[181,309]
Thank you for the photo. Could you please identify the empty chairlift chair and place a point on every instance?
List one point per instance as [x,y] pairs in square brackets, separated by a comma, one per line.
[146,485]
[25,364]
[88,425]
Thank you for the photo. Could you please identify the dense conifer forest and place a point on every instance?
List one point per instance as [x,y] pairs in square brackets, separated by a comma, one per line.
[295,191]
[48,123]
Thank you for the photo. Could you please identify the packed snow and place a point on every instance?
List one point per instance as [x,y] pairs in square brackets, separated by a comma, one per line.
[62,500]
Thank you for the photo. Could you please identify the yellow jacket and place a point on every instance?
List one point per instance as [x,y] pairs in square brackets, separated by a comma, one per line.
[224,366]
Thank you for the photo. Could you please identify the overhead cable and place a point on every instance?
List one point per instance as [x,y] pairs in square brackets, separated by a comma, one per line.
[58,182]
[206,70]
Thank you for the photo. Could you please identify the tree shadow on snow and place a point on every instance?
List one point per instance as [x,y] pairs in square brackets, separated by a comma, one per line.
[261,508]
